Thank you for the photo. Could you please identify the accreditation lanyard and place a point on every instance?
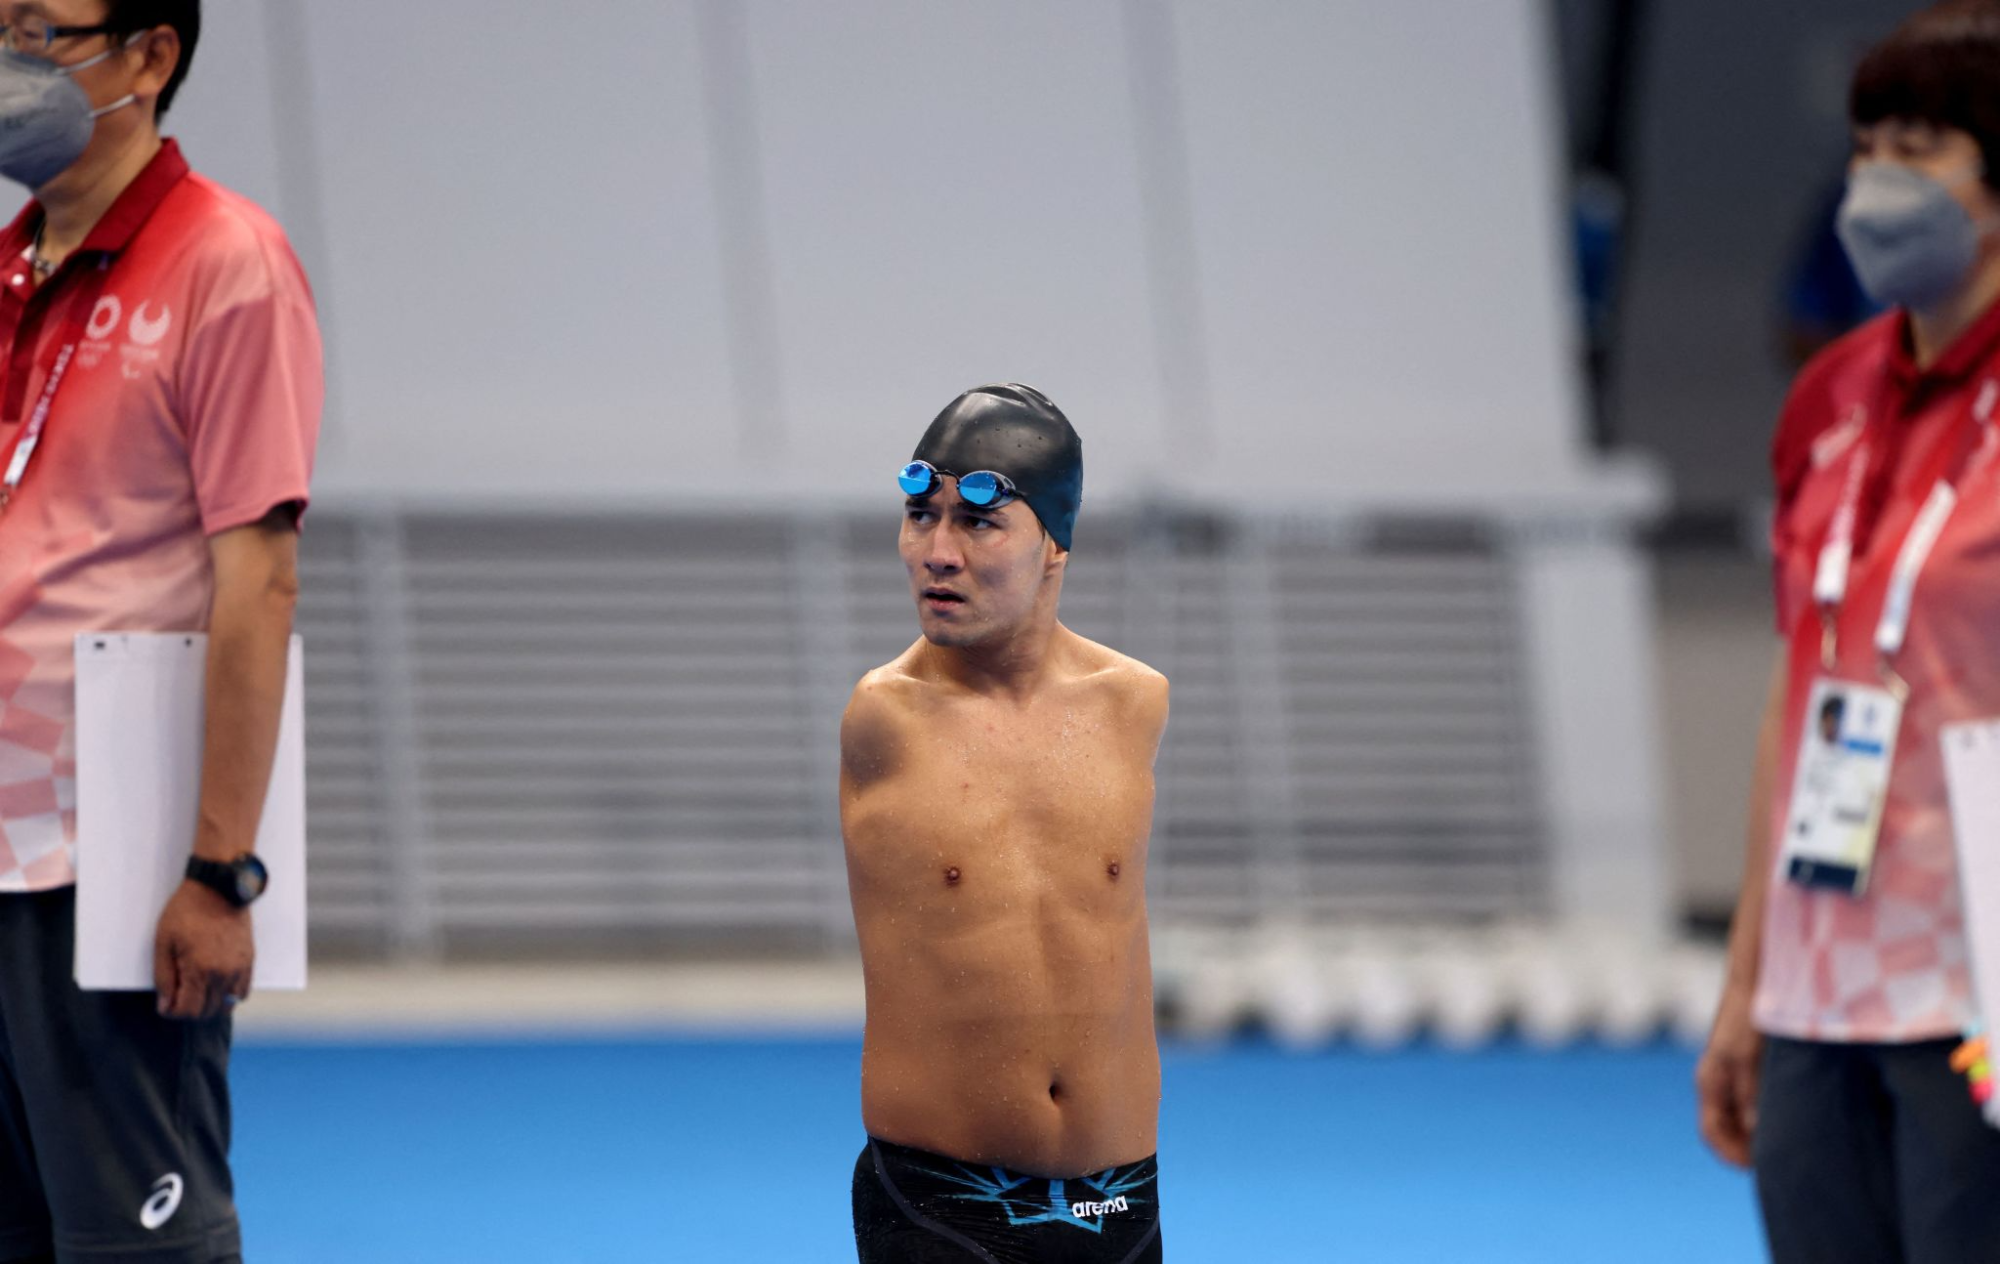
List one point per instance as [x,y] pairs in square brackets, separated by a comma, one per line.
[1836,556]
[76,326]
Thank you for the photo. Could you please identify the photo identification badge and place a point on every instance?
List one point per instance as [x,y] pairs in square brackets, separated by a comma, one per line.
[1840,785]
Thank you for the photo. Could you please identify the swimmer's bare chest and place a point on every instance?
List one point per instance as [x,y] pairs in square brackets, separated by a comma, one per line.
[998,877]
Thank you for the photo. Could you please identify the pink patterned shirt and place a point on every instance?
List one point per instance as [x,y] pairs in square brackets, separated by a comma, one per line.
[191,406]
[1891,965]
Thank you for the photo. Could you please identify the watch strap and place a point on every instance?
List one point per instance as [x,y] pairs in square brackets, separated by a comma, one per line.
[218,876]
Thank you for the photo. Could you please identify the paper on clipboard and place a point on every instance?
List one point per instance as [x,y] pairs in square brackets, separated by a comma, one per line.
[139,705]
[1972,778]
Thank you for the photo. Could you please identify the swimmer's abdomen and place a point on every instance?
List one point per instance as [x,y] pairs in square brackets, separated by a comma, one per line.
[1042,1061]
[1010,1009]
[999,893]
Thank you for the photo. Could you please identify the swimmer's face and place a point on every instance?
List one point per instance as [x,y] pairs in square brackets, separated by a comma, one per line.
[978,575]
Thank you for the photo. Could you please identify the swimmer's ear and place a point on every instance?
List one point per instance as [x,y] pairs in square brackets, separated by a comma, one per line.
[1054,556]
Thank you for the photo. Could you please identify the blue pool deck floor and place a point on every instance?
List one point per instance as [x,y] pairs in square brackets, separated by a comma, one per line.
[724,1149]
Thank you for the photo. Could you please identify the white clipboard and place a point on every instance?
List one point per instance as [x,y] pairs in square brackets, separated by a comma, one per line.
[1972,778]
[139,705]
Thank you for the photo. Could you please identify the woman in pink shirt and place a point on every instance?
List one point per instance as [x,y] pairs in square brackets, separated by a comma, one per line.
[1828,1067]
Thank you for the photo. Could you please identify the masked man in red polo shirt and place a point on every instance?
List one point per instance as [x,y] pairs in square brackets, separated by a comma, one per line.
[159,405]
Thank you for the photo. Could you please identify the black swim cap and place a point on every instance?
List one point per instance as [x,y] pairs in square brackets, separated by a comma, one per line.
[1017,431]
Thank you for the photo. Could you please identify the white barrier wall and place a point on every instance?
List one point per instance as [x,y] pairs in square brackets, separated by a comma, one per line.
[1312,246]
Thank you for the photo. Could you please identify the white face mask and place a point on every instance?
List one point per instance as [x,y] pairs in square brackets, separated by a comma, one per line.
[1911,243]
[46,119]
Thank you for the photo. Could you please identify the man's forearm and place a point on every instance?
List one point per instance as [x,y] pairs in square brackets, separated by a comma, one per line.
[249,636]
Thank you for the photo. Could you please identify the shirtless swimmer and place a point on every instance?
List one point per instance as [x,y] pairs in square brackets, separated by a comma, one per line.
[996,800]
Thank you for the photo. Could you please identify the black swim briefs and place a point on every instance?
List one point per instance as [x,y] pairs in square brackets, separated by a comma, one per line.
[913,1207]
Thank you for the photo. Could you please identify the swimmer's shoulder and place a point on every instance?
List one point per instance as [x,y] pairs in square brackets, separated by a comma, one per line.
[1137,690]
[871,728]
[896,685]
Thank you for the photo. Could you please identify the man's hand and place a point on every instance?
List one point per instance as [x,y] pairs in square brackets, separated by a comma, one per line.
[1726,1079]
[202,954]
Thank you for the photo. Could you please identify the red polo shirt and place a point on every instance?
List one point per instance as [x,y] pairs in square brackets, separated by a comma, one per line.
[1891,965]
[191,406]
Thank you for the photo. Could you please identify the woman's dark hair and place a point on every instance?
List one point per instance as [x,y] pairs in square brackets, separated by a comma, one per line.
[1942,67]
[128,17]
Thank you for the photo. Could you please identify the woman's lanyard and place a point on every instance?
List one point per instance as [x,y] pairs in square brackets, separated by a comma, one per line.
[1836,556]
[76,326]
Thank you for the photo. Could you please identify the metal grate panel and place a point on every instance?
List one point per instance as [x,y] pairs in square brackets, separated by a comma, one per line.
[621,729]
[348,880]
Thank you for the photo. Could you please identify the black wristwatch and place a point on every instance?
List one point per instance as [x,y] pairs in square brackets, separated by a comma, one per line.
[240,881]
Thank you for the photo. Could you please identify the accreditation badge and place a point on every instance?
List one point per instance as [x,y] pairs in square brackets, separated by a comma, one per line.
[1840,785]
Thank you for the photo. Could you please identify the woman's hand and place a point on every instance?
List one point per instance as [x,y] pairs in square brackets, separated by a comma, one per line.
[1726,1078]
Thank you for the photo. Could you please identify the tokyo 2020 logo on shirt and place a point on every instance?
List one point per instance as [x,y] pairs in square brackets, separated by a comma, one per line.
[104,318]
[147,329]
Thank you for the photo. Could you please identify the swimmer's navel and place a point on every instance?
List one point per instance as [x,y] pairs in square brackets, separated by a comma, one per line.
[952,875]
[1112,869]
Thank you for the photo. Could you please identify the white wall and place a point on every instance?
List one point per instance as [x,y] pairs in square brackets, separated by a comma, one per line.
[535,282]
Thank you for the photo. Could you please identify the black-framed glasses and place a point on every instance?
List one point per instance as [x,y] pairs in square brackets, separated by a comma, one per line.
[36,36]
[983,489]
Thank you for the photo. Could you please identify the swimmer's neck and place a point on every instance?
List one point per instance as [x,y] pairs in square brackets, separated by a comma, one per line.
[1013,668]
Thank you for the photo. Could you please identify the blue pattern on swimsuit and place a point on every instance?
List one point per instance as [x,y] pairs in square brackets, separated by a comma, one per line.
[1004,1189]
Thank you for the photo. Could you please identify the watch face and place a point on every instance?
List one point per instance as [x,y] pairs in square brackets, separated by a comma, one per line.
[251,878]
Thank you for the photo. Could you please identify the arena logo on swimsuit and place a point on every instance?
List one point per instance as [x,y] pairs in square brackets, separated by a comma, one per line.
[1087,1211]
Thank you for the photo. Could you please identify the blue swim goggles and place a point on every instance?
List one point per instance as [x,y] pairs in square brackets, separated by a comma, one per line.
[983,489]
